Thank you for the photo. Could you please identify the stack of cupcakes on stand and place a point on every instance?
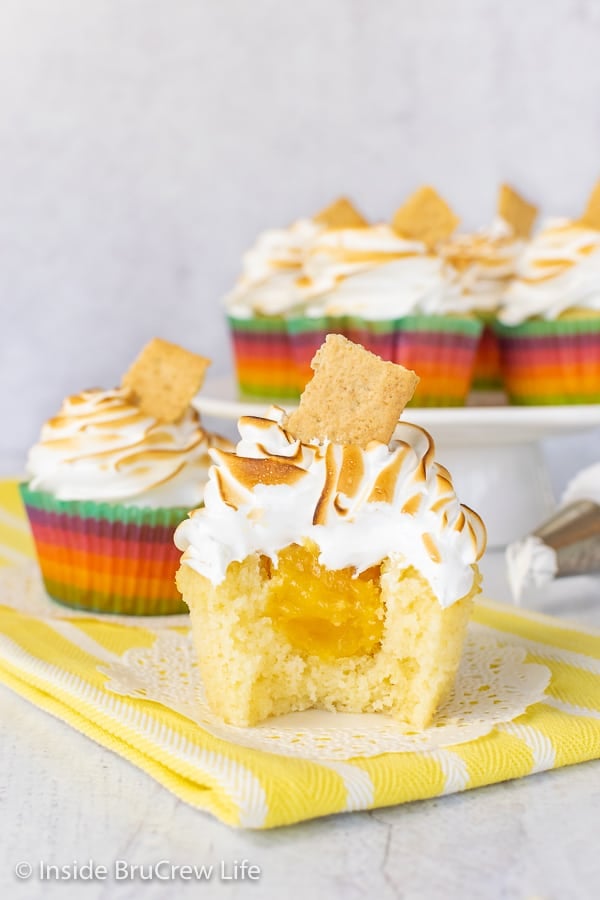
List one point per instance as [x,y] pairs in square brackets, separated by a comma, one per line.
[269,294]
[112,475]
[385,285]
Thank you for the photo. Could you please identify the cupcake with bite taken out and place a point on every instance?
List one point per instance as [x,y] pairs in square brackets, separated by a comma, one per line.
[111,476]
[332,565]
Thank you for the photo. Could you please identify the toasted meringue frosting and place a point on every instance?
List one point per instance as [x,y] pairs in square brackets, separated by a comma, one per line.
[391,290]
[272,279]
[559,271]
[358,506]
[486,262]
[368,271]
[101,447]
[340,252]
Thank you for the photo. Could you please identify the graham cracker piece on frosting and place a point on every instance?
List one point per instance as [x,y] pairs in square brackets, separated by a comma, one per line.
[516,211]
[591,216]
[425,217]
[341,214]
[354,396]
[164,378]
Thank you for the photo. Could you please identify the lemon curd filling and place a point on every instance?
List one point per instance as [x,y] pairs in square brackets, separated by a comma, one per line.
[326,613]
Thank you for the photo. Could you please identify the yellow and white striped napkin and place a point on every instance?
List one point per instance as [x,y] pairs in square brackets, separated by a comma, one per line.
[54,661]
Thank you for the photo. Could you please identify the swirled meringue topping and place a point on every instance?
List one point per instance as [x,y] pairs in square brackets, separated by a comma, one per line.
[486,262]
[370,271]
[345,251]
[101,447]
[272,279]
[390,290]
[559,271]
[358,506]
[375,273]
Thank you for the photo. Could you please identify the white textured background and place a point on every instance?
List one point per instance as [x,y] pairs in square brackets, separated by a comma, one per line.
[144,143]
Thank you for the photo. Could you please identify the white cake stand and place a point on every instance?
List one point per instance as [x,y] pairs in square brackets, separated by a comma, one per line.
[493,452]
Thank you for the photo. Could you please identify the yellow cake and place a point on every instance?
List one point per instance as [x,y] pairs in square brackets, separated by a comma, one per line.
[331,567]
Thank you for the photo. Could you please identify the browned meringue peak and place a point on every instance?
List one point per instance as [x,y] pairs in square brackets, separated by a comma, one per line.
[249,472]
[99,420]
[102,447]
[153,456]
[432,547]
[385,486]
[351,471]
[348,478]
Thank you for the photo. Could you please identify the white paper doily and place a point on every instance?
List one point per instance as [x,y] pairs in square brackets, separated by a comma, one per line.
[494,685]
[22,588]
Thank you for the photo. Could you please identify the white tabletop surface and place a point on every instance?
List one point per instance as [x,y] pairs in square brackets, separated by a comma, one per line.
[65,801]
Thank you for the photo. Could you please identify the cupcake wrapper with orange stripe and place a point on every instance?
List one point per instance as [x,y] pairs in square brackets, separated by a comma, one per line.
[263,359]
[273,354]
[551,362]
[487,373]
[106,557]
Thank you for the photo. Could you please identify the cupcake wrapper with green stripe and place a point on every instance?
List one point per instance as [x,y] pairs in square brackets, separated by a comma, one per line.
[263,357]
[273,354]
[106,557]
[551,362]
[487,374]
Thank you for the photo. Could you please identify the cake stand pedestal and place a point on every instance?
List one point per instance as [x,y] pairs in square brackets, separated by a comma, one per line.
[507,484]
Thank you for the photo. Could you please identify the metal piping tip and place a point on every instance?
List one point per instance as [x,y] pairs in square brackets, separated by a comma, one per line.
[568,543]
[573,532]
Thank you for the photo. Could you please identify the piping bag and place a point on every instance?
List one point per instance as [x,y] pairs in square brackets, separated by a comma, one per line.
[567,543]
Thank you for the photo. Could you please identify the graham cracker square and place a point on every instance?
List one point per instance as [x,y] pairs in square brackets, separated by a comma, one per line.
[425,217]
[516,211]
[591,216]
[354,396]
[340,214]
[164,378]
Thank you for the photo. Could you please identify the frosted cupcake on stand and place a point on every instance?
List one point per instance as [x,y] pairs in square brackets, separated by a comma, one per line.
[270,290]
[487,263]
[111,476]
[549,323]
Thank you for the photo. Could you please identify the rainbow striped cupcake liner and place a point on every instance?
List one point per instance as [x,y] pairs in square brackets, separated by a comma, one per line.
[487,371]
[441,350]
[263,358]
[551,362]
[106,558]
[273,355]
